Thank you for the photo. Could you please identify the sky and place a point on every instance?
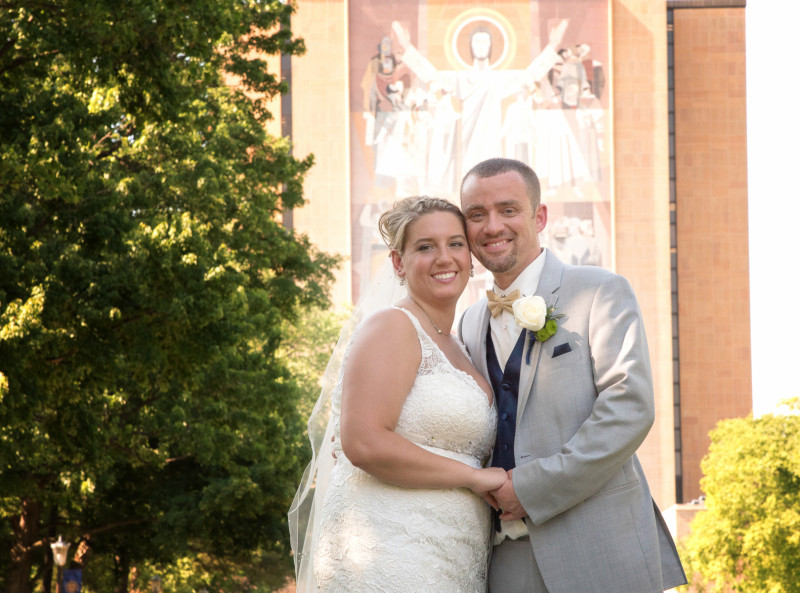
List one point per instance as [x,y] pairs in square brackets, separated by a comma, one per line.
[773,170]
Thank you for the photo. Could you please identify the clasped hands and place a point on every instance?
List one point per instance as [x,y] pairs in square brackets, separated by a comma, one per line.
[497,488]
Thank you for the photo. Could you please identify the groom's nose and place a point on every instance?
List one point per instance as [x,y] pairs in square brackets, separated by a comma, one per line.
[493,224]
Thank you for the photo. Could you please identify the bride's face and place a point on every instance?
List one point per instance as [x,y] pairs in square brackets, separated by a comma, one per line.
[436,259]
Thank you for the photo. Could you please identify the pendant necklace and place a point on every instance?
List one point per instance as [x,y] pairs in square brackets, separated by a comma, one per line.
[436,327]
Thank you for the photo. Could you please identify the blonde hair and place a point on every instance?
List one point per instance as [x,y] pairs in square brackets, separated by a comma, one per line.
[393,223]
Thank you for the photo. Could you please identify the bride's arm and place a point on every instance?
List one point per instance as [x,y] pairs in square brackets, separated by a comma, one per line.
[381,369]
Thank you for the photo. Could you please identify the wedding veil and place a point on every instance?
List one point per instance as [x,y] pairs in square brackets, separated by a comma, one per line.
[304,514]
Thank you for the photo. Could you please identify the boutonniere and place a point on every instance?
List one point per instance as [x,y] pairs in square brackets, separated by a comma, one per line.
[541,321]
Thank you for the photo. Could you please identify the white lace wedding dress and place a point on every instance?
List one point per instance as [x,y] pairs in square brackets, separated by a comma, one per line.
[378,537]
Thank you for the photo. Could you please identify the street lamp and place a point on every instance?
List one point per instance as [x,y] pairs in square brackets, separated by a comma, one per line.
[60,549]
[155,584]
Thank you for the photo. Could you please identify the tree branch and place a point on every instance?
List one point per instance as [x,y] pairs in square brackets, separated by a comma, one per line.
[112,526]
[19,61]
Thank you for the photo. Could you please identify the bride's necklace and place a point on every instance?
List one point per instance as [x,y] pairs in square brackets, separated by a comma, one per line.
[438,331]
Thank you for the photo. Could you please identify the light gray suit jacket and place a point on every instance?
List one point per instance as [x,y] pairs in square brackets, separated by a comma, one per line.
[581,415]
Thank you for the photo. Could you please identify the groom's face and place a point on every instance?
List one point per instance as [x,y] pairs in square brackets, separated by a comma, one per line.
[502,228]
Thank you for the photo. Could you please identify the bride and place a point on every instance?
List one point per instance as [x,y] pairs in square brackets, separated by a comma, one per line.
[395,498]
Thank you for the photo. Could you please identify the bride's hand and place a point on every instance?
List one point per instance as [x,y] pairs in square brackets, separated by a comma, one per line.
[487,479]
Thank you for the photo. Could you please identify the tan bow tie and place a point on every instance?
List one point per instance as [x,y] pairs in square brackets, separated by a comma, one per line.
[498,302]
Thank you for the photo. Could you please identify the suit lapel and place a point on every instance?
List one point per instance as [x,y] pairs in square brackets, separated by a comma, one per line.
[483,324]
[549,283]
[473,333]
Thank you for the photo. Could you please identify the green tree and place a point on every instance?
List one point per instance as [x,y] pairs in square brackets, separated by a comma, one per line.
[307,350]
[307,346]
[145,283]
[748,538]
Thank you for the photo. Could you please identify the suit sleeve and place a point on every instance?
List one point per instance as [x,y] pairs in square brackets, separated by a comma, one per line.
[621,415]
[467,327]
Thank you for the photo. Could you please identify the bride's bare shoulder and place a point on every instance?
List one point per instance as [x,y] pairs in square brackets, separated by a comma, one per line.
[388,336]
[391,322]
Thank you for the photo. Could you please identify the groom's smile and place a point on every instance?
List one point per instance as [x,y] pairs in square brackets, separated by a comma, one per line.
[497,245]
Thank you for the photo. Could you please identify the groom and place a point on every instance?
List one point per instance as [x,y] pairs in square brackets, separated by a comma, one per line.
[577,515]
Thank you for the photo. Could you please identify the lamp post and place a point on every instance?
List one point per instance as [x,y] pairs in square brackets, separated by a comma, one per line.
[155,584]
[60,549]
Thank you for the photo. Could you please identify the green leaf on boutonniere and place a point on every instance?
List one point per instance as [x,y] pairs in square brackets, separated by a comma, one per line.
[548,331]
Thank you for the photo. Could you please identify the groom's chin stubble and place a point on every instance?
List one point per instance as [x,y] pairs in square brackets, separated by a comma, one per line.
[499,265]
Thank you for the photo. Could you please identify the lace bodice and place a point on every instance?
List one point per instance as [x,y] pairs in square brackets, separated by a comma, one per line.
[445,409]
[377,537]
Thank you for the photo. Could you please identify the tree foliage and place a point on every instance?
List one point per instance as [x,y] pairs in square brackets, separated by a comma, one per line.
[307,351]
[145,284]
[748,538]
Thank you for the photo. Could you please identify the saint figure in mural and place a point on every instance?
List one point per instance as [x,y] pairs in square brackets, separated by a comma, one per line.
[480,89]
[570,78]
[387,111]
[569,125]
[573,241]
[591,130]
[595,75]
[519,127]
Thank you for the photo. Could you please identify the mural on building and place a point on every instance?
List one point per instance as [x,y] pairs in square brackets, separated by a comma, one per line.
[437,87]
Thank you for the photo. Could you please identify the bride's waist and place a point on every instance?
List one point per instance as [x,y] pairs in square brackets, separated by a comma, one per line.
[442,447]
[438,446]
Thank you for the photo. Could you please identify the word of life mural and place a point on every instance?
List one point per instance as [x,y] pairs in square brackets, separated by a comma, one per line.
[437,87]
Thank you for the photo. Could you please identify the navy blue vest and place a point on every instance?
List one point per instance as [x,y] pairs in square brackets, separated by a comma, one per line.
[506,389]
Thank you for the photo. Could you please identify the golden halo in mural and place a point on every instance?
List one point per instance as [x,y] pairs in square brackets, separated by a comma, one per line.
[458,38]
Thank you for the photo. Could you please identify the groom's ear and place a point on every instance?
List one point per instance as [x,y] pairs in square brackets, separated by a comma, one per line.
[541,217]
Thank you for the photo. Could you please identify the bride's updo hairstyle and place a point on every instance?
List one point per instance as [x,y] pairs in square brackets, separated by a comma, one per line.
[394,223]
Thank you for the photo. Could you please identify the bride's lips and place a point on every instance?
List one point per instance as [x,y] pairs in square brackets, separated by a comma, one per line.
[444,276]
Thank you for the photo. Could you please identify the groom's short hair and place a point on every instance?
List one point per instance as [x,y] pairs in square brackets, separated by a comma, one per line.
[498,166]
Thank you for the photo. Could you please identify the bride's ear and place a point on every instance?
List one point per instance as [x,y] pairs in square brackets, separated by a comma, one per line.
[397,263]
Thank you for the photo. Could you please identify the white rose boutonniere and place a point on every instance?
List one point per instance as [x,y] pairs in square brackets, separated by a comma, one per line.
[533,314]
[530,312]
